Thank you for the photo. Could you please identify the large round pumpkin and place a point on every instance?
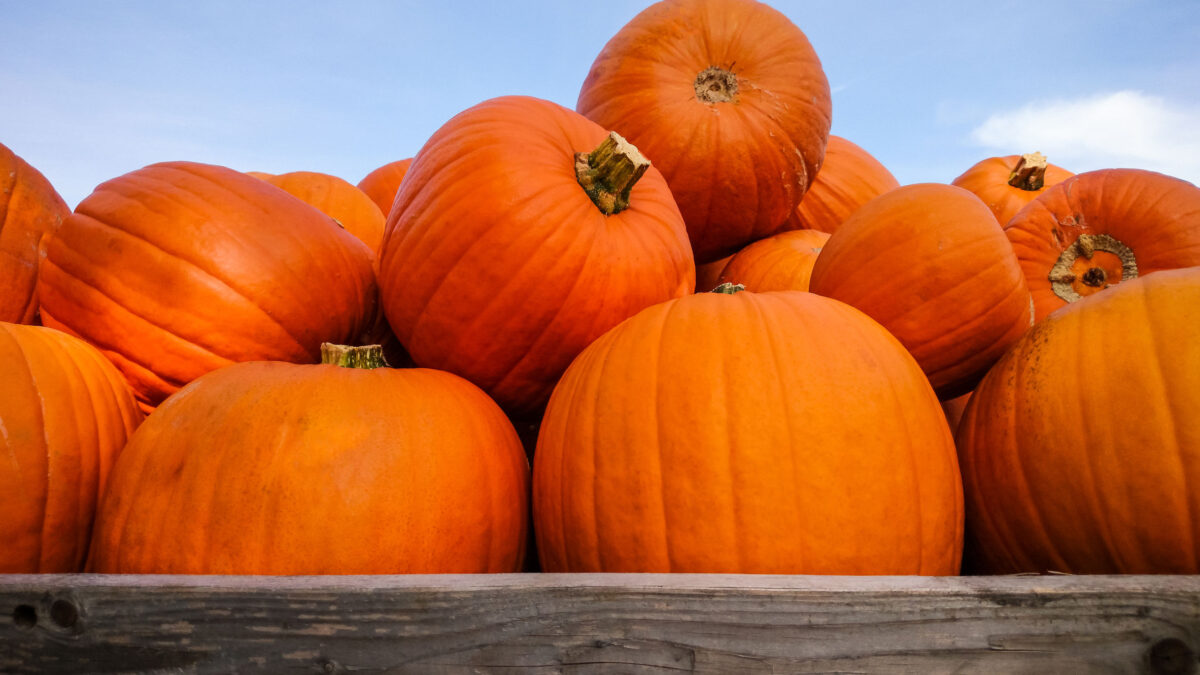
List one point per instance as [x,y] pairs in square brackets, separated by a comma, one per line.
[930,263]
[1101,228]
[781,262]
[277,468]
[30,209]
[521,233]
[747,433]
[382,184]
[338,199]
[1081,447]
[180,268]
[1007,184]
[729,100]
[849,178]
[65,414]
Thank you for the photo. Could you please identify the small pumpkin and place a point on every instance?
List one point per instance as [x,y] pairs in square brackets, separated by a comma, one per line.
[1102,228]
[1081,447]
[382,184]
[30,209]
[1007,184]
[180,268]
[930,263]
[348,205]
[521,233]
[849,177]
[65,414]
[747,433]
[279,468]
[729,100]
[782,262]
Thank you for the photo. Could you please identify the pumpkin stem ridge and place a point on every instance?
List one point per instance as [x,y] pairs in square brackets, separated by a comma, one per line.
[608,173]
[1030,172]
[728,288]
[367,357]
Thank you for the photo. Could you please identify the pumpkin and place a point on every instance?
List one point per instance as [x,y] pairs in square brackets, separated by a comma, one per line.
[180,268]
[930,263]
[521,233]
[1007,184]
[261,175]
[748,433]
[849,178]
[279,468]
[382,184]
[348,205]
[782,262]
[65,414]
[30,209]
[1101,228]
[1081,447]
[729,100]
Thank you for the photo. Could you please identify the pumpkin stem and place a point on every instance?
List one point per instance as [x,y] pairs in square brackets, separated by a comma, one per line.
[728,288]
[716,85]
[608,173]
[1092,263]
[1030,172]
[364,358]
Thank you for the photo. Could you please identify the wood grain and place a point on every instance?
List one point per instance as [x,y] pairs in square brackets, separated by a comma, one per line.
[559,623]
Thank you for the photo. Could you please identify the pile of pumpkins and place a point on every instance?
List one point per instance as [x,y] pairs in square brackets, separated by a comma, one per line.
[681,328]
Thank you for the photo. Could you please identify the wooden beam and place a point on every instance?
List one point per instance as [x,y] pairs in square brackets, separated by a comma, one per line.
[559,623]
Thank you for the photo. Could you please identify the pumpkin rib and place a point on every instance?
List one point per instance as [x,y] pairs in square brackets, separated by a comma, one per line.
[241,294]
[105,346]
[45,444]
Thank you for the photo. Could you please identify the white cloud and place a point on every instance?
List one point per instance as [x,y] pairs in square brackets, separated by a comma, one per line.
[1117,129]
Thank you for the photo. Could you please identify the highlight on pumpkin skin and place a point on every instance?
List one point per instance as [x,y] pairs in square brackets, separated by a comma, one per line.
[1080,449]
[696,437]
[1006,184]
[279,468]
[1101,228]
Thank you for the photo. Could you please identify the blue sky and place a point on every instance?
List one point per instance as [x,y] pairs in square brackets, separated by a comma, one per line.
[91,90]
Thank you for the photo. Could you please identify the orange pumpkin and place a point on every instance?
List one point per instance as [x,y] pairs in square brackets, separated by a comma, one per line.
[382,184]
[30,209]
[1081,447]
[747,433]
[521,233]
[261,175]
[931,264]
[1007,184]
[782,262]
[277,468]
[708,274]
[348,205]
[65,413]
[849,178]
[1100,228]
[729,100]
[180,268]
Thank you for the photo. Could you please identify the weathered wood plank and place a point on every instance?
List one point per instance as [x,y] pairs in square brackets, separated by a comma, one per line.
[554,623]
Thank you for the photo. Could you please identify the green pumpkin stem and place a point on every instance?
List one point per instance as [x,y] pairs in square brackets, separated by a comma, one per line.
[608,173]
[728,288]
[1030,172]
[363,358]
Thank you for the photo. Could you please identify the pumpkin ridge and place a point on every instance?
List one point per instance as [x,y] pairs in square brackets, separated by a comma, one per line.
[105,345]
[190,263]
[45,445]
